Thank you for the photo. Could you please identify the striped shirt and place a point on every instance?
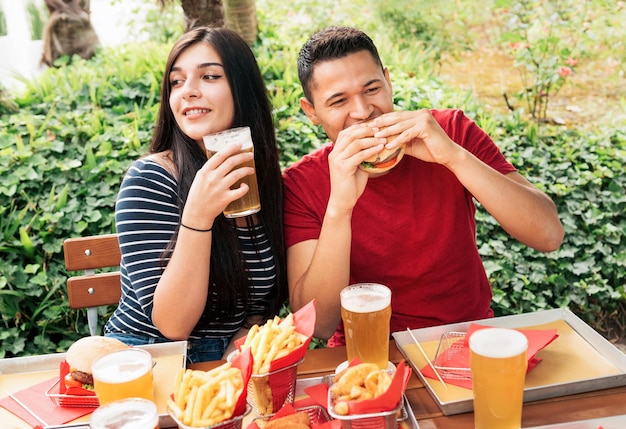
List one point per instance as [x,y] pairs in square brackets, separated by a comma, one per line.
[146,216]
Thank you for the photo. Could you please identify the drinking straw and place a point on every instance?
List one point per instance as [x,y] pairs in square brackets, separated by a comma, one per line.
[426,357]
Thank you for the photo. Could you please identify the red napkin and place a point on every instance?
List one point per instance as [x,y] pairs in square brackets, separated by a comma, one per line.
[460,357]
[304,321]
[243,361]
[32,406]
[385,402]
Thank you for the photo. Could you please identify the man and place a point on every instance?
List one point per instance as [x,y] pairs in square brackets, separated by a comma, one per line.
[411,228]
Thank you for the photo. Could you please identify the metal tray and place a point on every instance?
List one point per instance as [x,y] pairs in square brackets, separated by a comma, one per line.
[48,364]
[615,422]
[410,422]
[597,350]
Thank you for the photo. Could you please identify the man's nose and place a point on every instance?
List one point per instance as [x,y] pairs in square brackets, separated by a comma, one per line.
[361,109]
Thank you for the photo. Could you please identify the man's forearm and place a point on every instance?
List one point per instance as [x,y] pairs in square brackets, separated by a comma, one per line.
[327,273]
[523,211]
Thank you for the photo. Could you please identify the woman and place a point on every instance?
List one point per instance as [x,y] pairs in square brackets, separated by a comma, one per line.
[188,273]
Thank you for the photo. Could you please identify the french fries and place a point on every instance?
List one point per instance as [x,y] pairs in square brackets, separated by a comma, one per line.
[205,398]
[356,383]
[273,340]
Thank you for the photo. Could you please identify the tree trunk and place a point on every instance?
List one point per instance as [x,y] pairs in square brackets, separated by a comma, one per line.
[240,16]
[200,13]
[68,31]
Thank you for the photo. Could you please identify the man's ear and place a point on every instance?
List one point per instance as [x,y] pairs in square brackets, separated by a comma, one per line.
[309,110]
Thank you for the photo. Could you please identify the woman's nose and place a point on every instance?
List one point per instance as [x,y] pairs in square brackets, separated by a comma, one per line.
[190,89]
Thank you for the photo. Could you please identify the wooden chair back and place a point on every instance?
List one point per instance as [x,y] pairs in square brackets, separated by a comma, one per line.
[92,288]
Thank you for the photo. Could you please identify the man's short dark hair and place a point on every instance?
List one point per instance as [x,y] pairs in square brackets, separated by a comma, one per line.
[331,43]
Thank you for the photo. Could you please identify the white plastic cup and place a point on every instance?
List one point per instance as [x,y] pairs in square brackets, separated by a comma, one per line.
[498,362]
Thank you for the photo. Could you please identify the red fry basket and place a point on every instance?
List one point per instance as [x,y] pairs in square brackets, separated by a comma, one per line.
[71,401]
[317,415]
[267,393]
[382,420]
[234,423]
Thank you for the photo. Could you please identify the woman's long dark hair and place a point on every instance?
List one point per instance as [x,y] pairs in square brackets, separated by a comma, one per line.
[252,108]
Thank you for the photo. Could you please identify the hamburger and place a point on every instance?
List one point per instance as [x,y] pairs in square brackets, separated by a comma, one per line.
[82,353]
[384,160]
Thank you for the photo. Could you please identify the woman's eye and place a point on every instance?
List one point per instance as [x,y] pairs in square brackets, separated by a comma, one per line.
[212,76]
[175,82]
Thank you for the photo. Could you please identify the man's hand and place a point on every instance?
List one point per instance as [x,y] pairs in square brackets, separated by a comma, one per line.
[422,134]
[347,181]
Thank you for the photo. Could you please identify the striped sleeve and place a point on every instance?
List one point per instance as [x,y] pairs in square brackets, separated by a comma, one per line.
[146,216]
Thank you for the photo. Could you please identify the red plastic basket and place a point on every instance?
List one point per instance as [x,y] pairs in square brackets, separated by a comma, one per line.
[71,401]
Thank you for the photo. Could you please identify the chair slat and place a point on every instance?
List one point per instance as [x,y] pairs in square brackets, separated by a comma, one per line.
[94,290]
[85,253]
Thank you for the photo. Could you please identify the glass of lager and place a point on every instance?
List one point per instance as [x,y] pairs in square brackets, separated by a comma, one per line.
[249,203]
[366,312]
[498,363]
[123,374]
[131,413]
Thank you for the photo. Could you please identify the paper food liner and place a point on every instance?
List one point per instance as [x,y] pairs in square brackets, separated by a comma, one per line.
[386,402]
[459,357]
[243,361]
[289,409]
[64,369]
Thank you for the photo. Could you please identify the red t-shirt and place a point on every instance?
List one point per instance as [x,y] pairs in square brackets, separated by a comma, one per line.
[413,230]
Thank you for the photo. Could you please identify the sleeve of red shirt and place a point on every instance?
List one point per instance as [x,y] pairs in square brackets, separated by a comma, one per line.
[464,131]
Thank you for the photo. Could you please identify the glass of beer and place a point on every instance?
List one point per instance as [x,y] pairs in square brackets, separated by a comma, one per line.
[366,312]
[249,203]
[123,374]
[498,363]
[131,413]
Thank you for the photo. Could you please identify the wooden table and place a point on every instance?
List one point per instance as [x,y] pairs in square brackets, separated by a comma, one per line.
[601,403]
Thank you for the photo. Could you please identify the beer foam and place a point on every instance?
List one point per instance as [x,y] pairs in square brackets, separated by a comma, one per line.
[120,367]
[498,342]
[217,141]
[130,413]
[365,298]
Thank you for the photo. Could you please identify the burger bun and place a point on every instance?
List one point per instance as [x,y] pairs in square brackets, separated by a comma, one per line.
[84,351]
[384,160]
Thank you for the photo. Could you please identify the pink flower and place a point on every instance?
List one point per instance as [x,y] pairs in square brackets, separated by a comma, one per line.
[571,62]
[519,45]
[565,71]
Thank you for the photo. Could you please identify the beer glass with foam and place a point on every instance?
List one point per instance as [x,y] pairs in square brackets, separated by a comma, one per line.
[131,413]
[498,363]
[250,202]
[366,312]
[123,374]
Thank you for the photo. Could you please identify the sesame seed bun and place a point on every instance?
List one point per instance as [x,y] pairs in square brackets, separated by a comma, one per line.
[84,351]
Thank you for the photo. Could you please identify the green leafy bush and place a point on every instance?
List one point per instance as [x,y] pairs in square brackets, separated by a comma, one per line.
[63,154]
[584,174]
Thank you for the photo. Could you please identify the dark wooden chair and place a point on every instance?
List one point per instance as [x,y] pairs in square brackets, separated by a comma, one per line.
[93,288]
